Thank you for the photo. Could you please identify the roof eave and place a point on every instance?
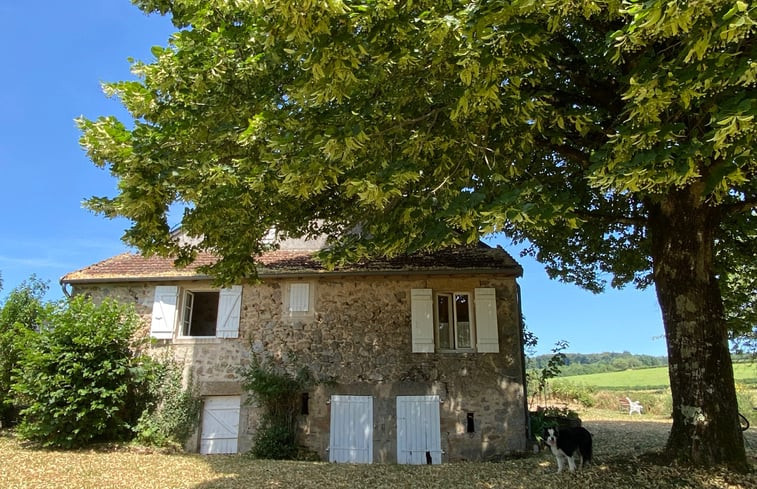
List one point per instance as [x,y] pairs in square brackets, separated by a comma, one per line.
[515,271]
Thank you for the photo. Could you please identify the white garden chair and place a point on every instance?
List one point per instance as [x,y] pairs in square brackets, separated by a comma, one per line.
[634,406]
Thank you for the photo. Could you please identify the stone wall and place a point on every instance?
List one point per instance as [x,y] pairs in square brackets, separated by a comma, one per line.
[357,341]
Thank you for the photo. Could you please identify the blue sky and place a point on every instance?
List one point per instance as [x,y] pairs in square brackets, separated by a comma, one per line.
[55,55]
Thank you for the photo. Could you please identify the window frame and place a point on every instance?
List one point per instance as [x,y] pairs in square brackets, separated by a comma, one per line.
[182,308]
[288,296]
[453,329]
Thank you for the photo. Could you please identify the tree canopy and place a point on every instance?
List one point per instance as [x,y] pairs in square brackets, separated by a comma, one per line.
[616,137]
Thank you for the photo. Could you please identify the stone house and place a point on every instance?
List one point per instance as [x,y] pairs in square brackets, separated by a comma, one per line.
[421,356]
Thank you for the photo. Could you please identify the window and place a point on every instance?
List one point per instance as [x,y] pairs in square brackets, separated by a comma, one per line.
[470,423]
[453,321]
[201,314]
[305,404]
[298,299]
[444,321]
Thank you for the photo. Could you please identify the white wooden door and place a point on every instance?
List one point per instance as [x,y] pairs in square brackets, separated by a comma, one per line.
[351,432]
[220,425]
[418,430]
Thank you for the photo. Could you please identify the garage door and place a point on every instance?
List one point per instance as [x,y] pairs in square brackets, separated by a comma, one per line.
[220,425]
[418,430]
[351,433]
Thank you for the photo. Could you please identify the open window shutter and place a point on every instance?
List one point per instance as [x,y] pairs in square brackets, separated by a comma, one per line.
[422,311]
[229,305]
[487,335]
[299,298]
[164,312]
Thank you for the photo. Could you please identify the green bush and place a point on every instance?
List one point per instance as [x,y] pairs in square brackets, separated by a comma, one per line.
[275,441]
[82,377]
[550,417]
[173,410]
[567,391]
[19,319]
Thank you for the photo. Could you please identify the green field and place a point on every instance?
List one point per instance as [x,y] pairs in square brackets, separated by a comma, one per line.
[651,378]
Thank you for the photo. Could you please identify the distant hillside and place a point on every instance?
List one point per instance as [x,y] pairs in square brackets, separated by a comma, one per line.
[594,363]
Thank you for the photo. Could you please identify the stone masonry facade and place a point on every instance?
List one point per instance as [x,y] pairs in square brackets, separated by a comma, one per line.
[357,341]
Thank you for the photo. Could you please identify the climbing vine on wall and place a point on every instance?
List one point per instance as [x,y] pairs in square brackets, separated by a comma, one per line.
[277,393]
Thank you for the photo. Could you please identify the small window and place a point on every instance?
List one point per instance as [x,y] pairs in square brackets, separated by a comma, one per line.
[453,321]
[299,298]
[200,313]
[305,406]
[470,423]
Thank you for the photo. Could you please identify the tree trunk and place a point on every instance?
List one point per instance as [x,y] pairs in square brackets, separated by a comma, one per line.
[705,428]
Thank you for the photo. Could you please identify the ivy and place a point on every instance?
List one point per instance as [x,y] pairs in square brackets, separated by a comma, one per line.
[277,393]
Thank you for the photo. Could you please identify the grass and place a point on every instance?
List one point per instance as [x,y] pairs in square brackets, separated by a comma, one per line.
[618,443]
[651,378]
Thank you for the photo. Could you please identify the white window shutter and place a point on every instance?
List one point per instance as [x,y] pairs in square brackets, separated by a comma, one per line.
[422,311]
[299,297]
[487,334]
[164,312]
[229,307]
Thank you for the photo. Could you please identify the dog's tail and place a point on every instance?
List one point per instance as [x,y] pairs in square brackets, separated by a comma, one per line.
[589,449]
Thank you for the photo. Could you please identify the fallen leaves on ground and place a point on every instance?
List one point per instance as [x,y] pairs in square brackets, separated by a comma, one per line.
[619,443]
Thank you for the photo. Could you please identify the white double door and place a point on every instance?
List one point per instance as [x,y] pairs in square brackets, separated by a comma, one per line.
[418,430]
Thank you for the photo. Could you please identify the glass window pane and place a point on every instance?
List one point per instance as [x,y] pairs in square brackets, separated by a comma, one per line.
[443,310]
[463,335]
[462,321]
[187,317]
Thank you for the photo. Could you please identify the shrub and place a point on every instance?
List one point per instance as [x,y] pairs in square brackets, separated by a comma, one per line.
[277,393]
[567,391]
[173,410]
[550,417]
[82,376]
[19,318]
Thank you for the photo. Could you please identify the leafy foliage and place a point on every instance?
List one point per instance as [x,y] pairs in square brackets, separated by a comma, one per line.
[567,391]
[589,363]
[538,379]
[173,411]
[19,319]
[550,417]
[277,393]
[82,377]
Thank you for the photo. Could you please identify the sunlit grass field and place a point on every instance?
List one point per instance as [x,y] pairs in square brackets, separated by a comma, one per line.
[651,378]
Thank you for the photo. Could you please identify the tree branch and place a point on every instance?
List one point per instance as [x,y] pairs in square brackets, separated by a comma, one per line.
[740,207]
[605,217]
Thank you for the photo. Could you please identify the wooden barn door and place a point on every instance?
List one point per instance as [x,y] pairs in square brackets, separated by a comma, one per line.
[418,430]
[351,433]
[220,425]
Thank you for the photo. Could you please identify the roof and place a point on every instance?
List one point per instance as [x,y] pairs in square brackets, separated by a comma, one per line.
[278,263]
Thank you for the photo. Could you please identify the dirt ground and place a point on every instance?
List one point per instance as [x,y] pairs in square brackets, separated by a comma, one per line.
[621,434]
[620,442]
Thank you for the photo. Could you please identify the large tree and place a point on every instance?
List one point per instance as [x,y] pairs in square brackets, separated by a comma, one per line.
[616,137]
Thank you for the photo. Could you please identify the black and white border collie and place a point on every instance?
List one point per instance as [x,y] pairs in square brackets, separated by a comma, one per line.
[565,443]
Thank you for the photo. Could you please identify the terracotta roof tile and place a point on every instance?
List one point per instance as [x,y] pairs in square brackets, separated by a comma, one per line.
[131,266]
